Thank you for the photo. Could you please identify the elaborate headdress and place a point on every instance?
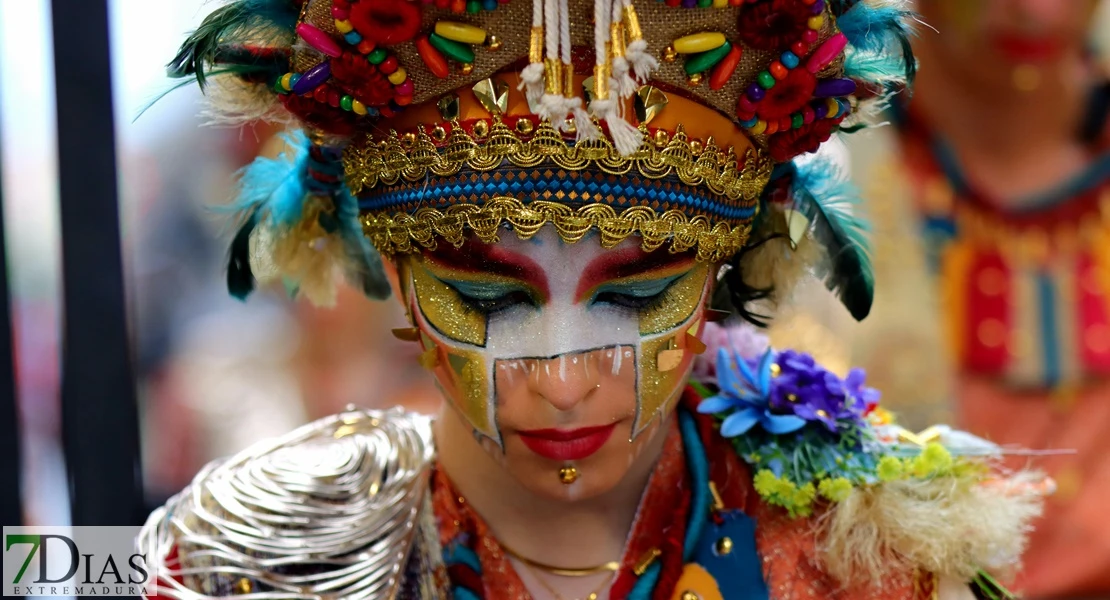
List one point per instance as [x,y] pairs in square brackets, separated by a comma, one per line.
[677,121]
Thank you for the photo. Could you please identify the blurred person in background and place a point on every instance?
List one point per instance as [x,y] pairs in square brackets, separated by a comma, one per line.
[990,197]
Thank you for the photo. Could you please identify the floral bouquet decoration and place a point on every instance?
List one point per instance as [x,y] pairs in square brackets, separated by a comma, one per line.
[821,447]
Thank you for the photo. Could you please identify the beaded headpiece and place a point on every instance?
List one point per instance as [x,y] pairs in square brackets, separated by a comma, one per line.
[427,121]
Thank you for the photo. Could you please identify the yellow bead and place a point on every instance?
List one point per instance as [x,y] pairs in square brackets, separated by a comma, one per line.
[699,42]
[759,127]
[287,81]
[398,77]
[460,32]
[344,27]
[832,106]
[720,3]
[817,22]
[358,107]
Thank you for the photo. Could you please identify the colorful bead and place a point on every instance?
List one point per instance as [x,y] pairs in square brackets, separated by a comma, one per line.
[720,3]
[398,77]
[807,115]
[789,59]
[389,65]
[800,49]
[286,81]
[460,32]
[817,8]
[453,50]
[724,69]
[786,123]
[458,6]
[377,56]
[403,100]
[489,4]
[319,40]
[755,93]
[778,71]
[766,80]
[334,98]
[826,53]
[796,121]
[365,47]
[772,127]
[816,22]
[745,104]
[820,109]
[344,26]
[704,61]
[834,87]
[346,103]
[320,94]
[312,78]
[699,42]
[705,3]
[474,7]
[340,14]
[432,58]
[353,38]
[749,123]
[405,88]
[809,36]
[357,107]
[759,127]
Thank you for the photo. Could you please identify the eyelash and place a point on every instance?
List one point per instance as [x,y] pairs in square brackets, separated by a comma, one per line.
[516,297]
[640,303]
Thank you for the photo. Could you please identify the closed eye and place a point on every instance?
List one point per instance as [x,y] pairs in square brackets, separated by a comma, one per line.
[635,295]
[488,298]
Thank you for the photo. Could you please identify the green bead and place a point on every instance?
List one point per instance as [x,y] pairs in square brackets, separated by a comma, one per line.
[377,56]
[346,103]
[797,121]
[474,7]
[455,51]
[278,87]
[703,61]
[766,80]
[705,3]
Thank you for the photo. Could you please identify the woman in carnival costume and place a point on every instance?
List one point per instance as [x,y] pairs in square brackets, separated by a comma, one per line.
[567,195]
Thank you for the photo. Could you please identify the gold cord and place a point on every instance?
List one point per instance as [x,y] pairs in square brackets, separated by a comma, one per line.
[611,566]
[593,595]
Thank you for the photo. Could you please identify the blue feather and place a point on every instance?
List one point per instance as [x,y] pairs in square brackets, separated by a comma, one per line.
[369,275]
[881,28]
[823,193]
[276,184]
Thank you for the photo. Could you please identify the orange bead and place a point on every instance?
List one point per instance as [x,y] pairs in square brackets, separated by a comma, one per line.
[778,71]
[772,127]
[365,46]
[458,6]
[403,100]
[432,58]
[724,69]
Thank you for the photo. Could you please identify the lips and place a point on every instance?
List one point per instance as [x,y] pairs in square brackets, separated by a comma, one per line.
[1023,48]
[567,444]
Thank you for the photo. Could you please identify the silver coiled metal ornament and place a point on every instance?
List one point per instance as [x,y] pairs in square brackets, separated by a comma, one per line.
[331,510]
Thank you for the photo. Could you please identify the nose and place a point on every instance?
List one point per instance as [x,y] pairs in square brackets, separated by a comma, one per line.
[567,380]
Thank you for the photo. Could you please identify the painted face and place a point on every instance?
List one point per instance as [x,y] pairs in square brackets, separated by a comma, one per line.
[1008,42]
[559,355]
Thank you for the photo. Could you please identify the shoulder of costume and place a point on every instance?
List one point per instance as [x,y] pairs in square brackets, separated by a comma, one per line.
[340,505]
[885,500]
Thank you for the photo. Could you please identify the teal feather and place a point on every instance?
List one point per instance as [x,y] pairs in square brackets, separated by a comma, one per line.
[244,22]
[881,28]
[277,184]
[882,68]
[365,261]
[828,199]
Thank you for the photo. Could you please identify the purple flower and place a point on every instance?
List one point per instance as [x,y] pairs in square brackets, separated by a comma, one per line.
[813,393]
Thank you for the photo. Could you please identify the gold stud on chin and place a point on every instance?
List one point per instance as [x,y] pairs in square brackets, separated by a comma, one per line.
[568,475]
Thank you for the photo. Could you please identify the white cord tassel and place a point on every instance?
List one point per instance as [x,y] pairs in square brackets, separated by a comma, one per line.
[643,63]
[531,78]
[623,82]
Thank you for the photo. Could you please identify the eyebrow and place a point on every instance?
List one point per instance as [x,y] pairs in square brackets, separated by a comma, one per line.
[479,257]
[617,264]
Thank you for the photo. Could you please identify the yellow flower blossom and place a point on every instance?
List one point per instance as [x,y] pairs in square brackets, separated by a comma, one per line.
[835,490]
[890,468]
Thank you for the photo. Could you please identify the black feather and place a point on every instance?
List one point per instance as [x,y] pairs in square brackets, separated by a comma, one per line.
[240,278]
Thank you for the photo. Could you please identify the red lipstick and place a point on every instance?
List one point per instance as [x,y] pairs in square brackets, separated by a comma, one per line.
[567,444]
[1028,49]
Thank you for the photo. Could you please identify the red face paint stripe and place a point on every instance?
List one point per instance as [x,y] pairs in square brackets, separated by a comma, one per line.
[619,264]
[477,257]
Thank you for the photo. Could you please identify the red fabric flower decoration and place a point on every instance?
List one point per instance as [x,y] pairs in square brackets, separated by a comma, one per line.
[320,115]
[787,96]
[773,24]
[386,22]
[788,144]
[361,79]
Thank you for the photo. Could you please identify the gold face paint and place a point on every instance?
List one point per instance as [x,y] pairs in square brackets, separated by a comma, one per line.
[444,309]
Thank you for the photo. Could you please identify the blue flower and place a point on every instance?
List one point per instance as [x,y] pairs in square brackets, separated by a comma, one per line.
[746,395]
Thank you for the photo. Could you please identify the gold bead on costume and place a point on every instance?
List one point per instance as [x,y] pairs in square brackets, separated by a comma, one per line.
[669,54]
[723,546]
[466,68]
[494,43]
[524,126]
[481,129]
[694,80]
[568,475]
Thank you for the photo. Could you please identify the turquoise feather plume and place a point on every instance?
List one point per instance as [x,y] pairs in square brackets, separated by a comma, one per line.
[824,195]
[878,28]
[272,194]
[244,22]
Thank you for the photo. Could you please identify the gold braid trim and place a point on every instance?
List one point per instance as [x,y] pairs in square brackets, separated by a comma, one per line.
[415,156]
[402,233]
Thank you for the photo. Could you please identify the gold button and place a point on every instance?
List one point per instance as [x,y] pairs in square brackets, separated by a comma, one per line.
[568,475]
[688,595]
[724,546]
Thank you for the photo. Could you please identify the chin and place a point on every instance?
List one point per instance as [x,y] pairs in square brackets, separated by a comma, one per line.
[594,475]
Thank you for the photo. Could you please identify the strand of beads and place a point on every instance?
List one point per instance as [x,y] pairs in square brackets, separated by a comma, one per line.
[467,6]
